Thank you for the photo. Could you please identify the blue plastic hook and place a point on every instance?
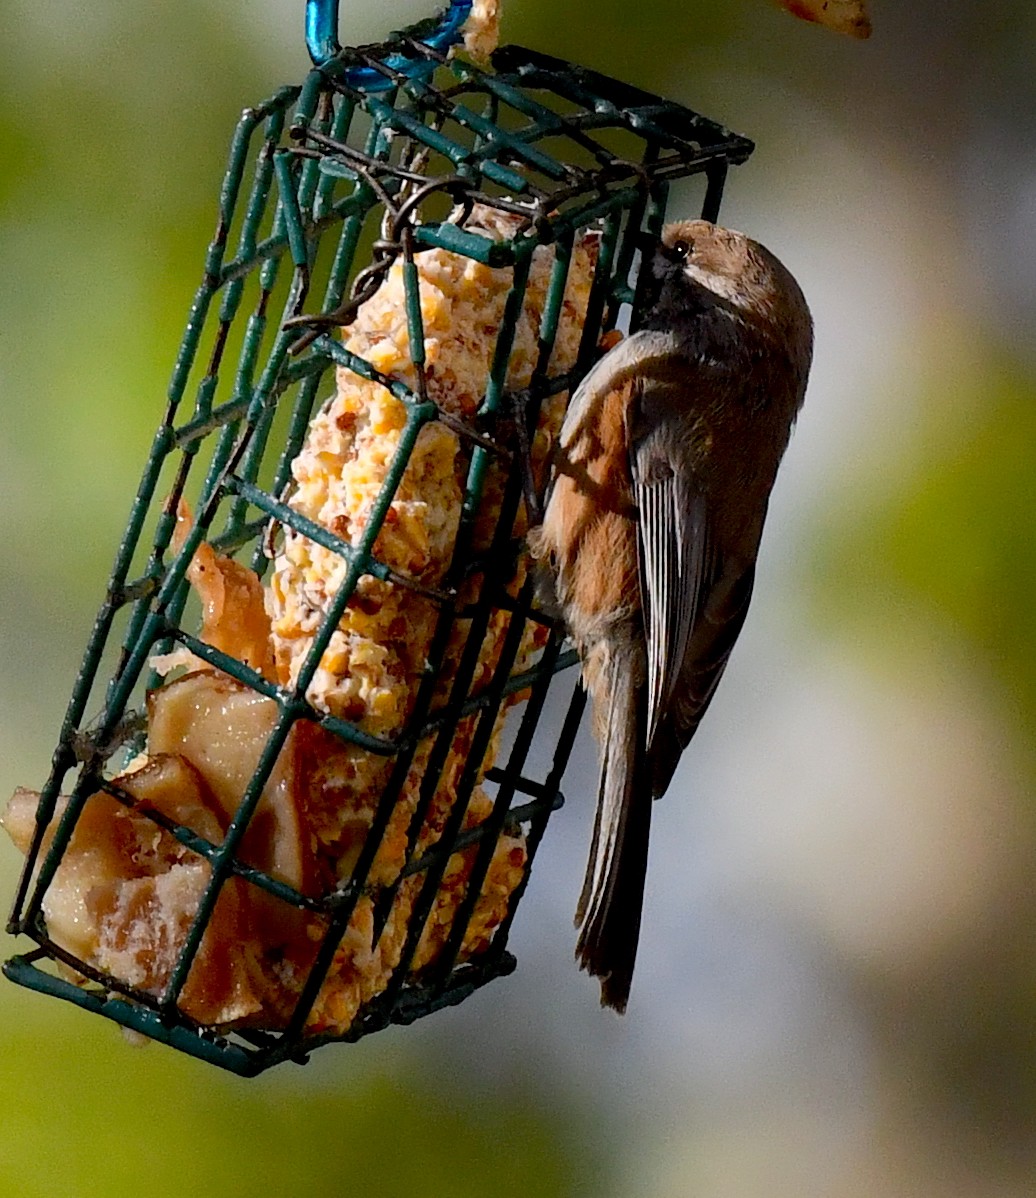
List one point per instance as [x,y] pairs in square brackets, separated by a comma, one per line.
[323,45]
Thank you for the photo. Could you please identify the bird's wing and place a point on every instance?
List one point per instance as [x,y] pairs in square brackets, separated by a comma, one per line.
[718,624]
[625,361]
[674,562]
[694,602]
[694,596]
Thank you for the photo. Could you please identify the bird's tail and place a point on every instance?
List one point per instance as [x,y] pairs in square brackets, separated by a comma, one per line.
[608,915]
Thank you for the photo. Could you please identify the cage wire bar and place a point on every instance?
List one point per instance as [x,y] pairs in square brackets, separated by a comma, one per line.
[322,178]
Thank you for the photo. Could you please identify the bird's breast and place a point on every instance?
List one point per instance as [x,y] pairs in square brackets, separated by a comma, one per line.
[589,528]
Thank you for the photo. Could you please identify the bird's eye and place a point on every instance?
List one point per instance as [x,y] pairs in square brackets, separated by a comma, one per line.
[681,249]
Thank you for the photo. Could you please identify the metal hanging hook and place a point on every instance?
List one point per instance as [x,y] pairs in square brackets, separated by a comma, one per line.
[324,46]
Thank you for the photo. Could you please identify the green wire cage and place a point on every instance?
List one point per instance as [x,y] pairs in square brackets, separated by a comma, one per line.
[330,186]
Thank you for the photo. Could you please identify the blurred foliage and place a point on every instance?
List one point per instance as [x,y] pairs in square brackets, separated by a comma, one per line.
[947,539]
[86,1114]
[932,557]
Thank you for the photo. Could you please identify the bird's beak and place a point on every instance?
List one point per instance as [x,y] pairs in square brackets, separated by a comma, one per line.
[654,250]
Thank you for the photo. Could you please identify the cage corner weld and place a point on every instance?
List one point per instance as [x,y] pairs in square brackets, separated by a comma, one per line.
[284,807]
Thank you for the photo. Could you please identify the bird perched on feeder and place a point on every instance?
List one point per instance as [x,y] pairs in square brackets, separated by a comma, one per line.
[662,478]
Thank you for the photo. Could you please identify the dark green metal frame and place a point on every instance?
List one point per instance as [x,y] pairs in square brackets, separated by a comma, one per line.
[566,150]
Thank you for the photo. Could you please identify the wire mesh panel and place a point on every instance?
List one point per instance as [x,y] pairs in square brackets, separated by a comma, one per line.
[310,818]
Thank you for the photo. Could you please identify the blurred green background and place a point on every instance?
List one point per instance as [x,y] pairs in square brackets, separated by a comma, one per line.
[836,992]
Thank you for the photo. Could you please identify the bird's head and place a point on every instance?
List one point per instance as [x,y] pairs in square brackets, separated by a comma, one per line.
[696,257]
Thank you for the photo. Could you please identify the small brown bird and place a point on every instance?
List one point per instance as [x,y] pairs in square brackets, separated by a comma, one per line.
[661,482]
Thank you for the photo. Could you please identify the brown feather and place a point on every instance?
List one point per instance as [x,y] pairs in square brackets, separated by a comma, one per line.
[589,530]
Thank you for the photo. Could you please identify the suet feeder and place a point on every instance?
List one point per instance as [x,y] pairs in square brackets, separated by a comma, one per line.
[386,159]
